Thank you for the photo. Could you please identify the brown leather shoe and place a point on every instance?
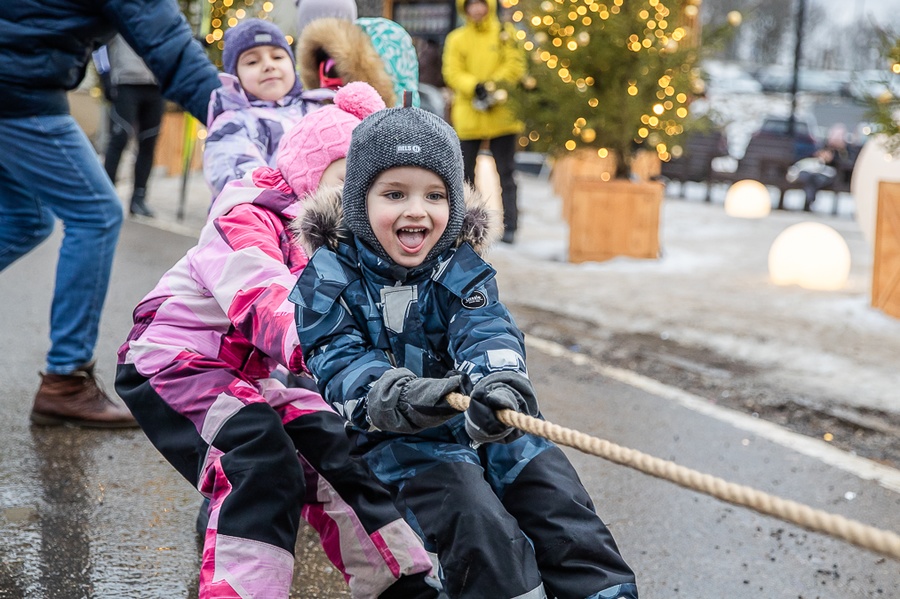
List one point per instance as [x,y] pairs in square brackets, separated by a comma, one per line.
[78,400]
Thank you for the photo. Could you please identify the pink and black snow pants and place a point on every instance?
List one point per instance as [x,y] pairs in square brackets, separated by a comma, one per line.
[265,455]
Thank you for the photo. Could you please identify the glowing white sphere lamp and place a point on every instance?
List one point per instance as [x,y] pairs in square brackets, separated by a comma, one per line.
[811,255]
[873,164]
[748,199]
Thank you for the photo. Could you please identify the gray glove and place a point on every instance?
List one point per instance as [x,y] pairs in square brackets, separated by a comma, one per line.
[504,390]
[400,402]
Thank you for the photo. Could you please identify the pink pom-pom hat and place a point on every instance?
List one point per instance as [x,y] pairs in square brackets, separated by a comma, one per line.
[323,136]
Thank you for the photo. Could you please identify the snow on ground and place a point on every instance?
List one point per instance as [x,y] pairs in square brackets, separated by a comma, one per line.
[710,289]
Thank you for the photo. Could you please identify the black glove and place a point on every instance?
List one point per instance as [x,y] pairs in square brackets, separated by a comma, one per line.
[487,95]
[400,402]
[502,390]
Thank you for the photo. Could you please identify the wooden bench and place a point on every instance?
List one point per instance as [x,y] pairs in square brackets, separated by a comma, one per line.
[767,160]
[695,163]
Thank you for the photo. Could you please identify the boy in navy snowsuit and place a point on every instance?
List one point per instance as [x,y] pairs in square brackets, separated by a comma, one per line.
[395,310]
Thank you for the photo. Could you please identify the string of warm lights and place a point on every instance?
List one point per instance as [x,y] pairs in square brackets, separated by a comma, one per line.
[566,37]
[884,108]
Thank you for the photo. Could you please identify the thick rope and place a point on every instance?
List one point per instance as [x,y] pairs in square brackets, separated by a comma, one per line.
[853,531]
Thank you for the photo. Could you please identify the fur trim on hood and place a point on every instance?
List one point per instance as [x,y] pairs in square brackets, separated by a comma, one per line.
[352,51]
[320,223]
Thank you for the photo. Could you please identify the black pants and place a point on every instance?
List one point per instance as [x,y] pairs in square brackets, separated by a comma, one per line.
[260,472]
[812,183]
[503,150]
[542,527]
[136,111]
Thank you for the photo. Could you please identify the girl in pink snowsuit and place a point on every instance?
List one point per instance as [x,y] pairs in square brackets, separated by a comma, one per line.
[200,373]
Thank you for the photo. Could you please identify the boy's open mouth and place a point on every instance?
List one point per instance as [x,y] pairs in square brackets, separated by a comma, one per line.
[412,238]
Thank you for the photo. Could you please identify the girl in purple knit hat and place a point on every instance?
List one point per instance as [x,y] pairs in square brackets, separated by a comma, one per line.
[200,372]
[260,99]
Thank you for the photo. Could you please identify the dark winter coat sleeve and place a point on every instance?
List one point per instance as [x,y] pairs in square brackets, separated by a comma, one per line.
[482,335]
[45,48]
[161,36]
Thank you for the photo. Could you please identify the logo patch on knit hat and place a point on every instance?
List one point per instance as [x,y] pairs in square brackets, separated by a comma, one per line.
[408,149]
[262,37]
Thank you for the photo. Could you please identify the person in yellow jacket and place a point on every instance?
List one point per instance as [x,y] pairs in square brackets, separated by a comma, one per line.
[481,62]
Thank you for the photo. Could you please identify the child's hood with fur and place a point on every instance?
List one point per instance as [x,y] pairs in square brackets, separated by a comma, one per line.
[320,223]
[352,50]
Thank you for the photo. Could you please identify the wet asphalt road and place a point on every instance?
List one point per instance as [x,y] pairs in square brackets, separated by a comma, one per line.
[99,514]
[95,513]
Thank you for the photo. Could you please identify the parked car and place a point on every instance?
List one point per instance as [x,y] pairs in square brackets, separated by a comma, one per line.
[728,77]
[775,78]
[779,78]
[873,84]
[830,83]
[805,143]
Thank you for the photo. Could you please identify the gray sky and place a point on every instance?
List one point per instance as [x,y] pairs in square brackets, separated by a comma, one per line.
[847,10]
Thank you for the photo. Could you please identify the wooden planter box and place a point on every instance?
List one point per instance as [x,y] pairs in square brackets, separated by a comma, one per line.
[613,218]
[586,164]
[581,164]
[171,142]
[886,268]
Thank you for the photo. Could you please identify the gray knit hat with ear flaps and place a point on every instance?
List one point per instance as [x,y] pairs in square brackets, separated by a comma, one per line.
[402,137]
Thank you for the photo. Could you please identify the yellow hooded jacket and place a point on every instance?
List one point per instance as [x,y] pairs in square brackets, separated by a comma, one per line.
[475,53]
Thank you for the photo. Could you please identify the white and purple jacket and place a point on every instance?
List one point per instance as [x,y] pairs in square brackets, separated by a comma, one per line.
[244,133]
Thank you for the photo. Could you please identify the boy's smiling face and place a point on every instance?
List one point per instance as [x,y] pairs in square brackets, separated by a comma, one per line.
[408,210]
[267,72]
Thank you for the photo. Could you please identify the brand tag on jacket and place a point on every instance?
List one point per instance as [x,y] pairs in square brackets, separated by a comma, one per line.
[476,300]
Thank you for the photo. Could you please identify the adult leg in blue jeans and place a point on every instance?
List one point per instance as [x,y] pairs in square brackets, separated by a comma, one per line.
[55,173]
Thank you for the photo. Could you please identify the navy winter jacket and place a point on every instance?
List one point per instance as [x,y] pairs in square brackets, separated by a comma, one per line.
[359,315]
[45,48]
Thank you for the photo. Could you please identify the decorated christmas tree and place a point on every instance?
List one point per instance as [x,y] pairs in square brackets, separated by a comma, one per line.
[609,75]
[211,18]
[884,109]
